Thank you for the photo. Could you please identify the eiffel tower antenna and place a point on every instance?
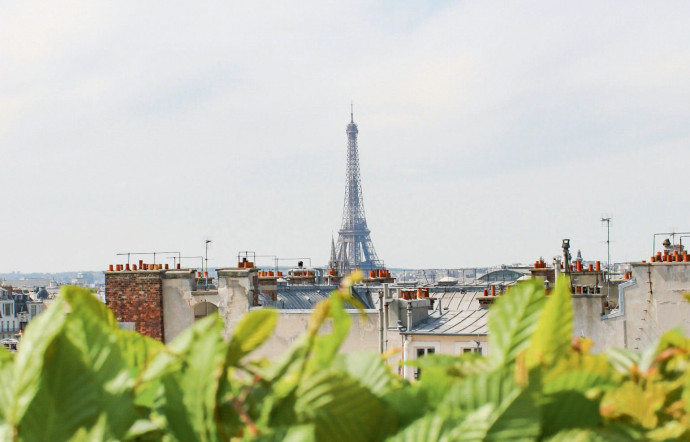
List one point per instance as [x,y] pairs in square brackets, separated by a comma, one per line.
[354,248]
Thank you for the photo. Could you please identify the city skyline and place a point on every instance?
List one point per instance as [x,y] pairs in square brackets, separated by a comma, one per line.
[487,133]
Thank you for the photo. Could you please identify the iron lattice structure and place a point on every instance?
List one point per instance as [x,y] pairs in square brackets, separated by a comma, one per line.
[354,249]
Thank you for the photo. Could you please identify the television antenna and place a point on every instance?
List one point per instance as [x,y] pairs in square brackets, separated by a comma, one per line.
[607,220]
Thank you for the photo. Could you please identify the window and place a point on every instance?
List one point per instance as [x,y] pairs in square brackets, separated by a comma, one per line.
[423,351]
[472,350]
[462,347]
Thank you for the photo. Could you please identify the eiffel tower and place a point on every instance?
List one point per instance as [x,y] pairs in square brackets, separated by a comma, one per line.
[354,249]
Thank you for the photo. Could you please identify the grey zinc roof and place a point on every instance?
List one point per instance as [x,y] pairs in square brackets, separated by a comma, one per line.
[304,297]
[457,299]
[466,322]
[460,313]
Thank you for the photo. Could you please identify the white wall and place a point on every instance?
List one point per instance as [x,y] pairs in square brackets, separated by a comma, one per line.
[650,304]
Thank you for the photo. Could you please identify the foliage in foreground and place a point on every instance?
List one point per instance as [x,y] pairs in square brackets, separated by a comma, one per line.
[78,376]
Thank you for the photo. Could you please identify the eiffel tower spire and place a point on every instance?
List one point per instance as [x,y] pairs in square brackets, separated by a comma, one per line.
[333,261]
[354,249]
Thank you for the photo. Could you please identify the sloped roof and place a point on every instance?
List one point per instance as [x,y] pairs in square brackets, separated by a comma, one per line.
[460,313]
[304,297]
[465,322]
[42,293]
[457,299]
[507,274]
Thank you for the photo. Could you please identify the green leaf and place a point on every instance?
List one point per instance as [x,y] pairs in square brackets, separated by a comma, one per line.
[475,425]
[369,368]
[56,383]
[515,414]
[516,419]
[437,426]
[341,408]
[190,389]
[75,355]
[466,364]
[300,433]
[569,409]
[587,435]
[674,338]
[633,401]
[554,333]
[435,383]
[398,401]
[578,380]
[39,336]
[6,383]
[622,359]
[290,361]
[326,345]
[137,350]
[145,429]
[685,395]
[66,398]
[513,319]
[471,393]
[92,328]
[648,356]
[250,332]
[672,430]
[440,372]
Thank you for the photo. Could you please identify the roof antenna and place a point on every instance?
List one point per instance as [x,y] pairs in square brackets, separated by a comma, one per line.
[352,116]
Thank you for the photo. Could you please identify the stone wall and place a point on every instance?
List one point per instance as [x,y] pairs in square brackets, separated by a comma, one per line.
[650,304]
[294,323]
[137,297]
[397,310]
[588,322]
[237,292]
[178,310]
[654,303]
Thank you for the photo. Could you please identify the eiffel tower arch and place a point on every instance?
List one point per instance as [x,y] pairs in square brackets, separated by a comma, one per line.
[354,249]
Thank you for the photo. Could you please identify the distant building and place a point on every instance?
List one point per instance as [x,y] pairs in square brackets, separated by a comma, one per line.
[441,319]
[29,283]
[17,309]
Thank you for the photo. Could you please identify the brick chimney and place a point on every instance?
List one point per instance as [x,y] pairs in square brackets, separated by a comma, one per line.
[136,299]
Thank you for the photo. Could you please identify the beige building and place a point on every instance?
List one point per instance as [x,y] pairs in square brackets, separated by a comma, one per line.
[650,303]
[450,321]
[163,302]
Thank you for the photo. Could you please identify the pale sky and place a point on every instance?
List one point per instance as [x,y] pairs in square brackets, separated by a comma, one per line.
[488,131]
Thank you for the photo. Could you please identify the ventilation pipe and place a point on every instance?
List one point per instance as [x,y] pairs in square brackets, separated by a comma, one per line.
[409,316]
[386,296]
[556,269]
[381,299]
